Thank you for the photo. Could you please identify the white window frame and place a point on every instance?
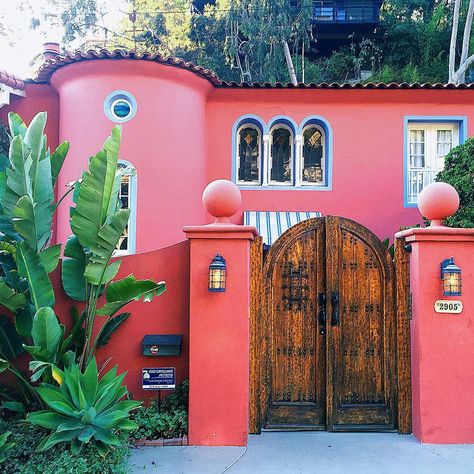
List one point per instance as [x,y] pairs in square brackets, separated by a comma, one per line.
[323,159]
[132,205]
[433,163]
[290,183]
[260,156]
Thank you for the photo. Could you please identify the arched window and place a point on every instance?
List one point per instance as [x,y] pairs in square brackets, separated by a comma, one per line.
[249,155]
[313,155]
[281,155]
[128,197]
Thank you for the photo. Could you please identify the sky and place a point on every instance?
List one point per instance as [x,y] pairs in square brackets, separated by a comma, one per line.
[21,44]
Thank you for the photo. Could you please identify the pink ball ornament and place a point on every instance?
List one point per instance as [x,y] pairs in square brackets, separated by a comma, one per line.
[437,201]
[222,199]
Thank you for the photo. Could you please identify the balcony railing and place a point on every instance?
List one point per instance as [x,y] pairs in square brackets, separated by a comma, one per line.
[346,11]
[417,180]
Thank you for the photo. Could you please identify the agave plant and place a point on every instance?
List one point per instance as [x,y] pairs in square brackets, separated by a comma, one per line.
[84,409]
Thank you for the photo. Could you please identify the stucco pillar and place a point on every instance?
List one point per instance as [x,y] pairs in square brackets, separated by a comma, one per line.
[442,345]
[219,332]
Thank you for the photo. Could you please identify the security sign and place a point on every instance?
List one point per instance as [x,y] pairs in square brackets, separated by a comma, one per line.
[159,378]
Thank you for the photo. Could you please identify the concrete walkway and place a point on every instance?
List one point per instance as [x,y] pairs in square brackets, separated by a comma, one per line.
[310,452]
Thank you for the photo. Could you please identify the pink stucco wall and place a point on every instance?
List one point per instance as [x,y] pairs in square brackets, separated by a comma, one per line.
[368,133]
[165,141]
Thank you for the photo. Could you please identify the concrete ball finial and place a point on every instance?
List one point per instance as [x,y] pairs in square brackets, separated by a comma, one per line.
[222,199]
[437,201]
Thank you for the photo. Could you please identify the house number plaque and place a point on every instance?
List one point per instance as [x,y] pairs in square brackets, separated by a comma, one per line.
[448,306]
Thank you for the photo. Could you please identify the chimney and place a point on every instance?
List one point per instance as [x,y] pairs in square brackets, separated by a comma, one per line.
[50,50]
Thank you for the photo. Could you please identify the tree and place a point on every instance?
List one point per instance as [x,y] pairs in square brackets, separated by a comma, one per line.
[262,32]
[458,75]
[459,172]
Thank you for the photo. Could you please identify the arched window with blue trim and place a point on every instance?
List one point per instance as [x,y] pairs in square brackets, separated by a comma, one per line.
[316,153]
[249,155]
[281,155]
[313,155]
[128,198]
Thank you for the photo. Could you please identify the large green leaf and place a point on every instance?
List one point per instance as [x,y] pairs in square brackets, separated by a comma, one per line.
[33,221]
[24,321]
[46,331]
[57,160]
[96,193]
[31,268]
[18,176]
[56,399]
[9,298]
[50,257]
[73,268]
[119,293]
[47,419]
[90,382]
[16,124]
[11,344]
[109,328]
[98,271]
[35,140]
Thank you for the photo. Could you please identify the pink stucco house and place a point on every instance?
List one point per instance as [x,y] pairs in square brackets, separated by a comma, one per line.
[313,329]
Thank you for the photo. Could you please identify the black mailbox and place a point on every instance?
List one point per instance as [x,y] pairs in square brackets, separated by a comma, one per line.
[162,344]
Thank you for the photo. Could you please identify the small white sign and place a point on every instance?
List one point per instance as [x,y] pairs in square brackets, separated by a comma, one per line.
[448,306]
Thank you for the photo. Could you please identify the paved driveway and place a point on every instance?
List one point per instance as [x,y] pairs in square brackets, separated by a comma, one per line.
[311,452]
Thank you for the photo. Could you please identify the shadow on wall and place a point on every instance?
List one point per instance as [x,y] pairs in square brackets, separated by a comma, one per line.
[168,314]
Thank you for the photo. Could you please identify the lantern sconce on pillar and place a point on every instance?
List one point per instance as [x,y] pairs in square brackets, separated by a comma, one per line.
[217,274]
[451,278]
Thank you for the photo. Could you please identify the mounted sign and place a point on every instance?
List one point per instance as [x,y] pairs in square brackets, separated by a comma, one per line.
[448,306]
[159,378]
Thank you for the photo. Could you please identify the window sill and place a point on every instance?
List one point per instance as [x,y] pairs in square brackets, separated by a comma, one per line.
[273,187]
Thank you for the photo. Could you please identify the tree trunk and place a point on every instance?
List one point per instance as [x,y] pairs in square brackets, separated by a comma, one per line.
[465,40]
[289,63]
[454,33]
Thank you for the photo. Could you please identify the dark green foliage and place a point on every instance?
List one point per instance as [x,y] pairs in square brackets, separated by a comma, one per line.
[459,172]
[22,458]
[168,421]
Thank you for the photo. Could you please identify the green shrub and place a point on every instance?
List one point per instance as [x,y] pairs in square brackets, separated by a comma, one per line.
[24,459]
[459,172]
[170,420]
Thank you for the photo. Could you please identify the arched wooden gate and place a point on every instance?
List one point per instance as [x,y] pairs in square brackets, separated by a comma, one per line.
[329,331]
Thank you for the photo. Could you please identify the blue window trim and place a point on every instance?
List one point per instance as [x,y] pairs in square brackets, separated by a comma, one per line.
[112,97]
[260,124]
[297,130]
[461,121]
[328,140]
[132,204]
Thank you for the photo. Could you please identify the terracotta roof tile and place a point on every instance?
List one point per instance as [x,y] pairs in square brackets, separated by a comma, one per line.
[51,65]
[11,80]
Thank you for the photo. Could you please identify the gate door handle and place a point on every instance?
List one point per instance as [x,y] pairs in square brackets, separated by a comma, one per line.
[322,313]
[335,309]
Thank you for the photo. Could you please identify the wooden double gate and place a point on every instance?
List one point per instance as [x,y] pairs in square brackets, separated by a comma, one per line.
[329,331]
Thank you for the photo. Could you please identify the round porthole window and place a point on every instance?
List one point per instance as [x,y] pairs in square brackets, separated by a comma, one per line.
[120,106]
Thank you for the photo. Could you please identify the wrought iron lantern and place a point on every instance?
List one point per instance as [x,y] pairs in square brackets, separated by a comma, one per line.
[217,274]
[451,278]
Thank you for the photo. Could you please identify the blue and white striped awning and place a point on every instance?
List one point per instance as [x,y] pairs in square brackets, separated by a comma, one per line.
[271,224]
